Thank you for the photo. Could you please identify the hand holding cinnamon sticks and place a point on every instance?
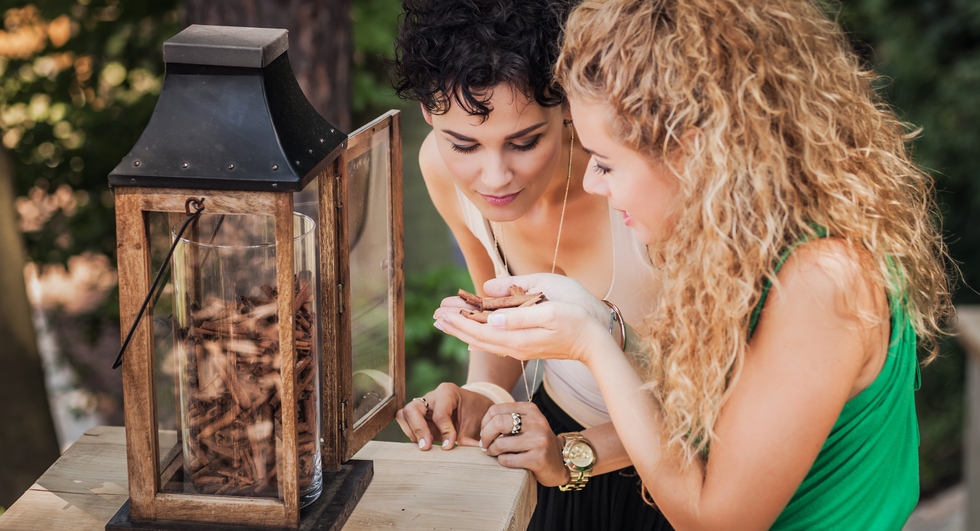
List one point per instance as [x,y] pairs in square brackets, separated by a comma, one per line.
[517,298]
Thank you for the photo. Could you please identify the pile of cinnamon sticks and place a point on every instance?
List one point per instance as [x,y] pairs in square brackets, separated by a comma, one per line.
[233,422]
[516,298]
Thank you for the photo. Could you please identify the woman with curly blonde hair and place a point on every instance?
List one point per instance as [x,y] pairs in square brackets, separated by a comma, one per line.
[801,263]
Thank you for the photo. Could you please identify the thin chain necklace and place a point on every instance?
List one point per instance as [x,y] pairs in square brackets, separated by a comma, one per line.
[554,259]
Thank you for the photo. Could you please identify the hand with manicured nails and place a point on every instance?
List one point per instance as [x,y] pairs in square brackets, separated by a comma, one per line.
[567,326]
[453,416]
[536,448]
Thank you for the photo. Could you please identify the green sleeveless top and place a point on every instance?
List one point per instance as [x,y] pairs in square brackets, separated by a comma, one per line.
[866,476]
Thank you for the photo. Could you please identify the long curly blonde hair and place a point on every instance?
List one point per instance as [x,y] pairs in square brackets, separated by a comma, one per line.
[788,133]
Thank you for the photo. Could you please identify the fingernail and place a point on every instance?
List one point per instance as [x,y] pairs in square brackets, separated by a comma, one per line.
[445,443]
[421,443]
[469,347]
[497,319]
[481,443]
[438,325]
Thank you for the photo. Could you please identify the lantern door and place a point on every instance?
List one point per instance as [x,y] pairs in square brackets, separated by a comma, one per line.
[367,375]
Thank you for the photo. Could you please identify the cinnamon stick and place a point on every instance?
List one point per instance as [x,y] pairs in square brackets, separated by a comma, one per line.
[516,298]
[234,410]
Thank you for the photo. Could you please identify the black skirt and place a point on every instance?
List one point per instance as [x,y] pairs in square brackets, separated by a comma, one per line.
[608,502]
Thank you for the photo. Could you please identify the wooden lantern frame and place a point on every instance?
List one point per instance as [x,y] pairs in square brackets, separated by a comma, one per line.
[340,440]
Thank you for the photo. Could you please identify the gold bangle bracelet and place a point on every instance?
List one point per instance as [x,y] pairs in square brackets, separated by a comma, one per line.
[616,315]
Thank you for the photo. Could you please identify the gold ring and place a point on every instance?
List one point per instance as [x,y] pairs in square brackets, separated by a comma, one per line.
[424,403]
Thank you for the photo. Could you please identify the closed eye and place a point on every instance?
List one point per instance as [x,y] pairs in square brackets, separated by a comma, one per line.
[600,169]
[528,146]
[463,149]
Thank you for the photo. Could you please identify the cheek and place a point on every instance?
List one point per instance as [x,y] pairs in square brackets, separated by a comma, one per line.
[464,168]
[537,163]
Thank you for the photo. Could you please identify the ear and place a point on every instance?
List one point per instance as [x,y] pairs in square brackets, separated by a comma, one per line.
[426,114]
[566,113]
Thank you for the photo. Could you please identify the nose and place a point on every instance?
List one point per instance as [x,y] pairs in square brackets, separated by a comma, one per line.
[496,171]
[593,182]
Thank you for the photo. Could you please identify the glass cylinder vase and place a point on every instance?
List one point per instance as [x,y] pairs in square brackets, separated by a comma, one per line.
[227,339]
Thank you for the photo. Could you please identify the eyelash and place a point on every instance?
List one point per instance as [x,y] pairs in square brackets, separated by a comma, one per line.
[601,170]
[529,146]
[461,149]
[519,147]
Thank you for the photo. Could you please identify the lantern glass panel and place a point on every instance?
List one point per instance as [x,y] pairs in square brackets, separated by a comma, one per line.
[370,273]
[227,344]
[164,357]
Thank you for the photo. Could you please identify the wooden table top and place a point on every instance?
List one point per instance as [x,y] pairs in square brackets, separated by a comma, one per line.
[459,489]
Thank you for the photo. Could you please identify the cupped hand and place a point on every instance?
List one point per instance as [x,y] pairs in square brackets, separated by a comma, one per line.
[535,448]
[550,330]
[555,288]
[453,416]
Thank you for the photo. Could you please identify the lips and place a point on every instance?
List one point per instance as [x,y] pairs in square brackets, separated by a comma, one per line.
[499,200]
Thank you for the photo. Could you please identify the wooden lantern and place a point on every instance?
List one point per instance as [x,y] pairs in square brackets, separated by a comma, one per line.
[233,133]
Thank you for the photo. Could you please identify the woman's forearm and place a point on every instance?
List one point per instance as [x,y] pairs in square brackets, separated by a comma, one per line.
[636,415]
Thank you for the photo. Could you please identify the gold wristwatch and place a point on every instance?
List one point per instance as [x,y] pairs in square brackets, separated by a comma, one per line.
[579,458]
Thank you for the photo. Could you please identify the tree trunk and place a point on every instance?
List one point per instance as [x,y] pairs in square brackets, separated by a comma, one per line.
[320,43]
[28,442]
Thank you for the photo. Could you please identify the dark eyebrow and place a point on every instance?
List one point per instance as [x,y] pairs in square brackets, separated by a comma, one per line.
[509,137]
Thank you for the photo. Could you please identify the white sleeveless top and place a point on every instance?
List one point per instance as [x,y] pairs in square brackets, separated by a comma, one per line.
[570,383]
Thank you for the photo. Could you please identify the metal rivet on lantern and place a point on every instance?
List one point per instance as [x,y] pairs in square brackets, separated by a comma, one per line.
[231,166]
[137,163]
[321,140]
[275,167]
[275,185]
[184,165]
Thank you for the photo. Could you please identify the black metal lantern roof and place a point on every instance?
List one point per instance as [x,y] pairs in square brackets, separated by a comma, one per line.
[230,116]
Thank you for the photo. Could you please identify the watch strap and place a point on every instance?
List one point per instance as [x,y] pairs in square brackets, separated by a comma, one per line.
[579,476]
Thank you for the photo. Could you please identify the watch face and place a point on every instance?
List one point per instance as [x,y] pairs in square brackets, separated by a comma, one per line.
[580,455]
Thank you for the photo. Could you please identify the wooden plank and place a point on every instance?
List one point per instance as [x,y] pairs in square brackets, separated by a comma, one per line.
[39,510]
[344,382]
[230,510]
[443,497]
[139,389]
[329,315]
[215,202]
[288,464]
[968,328]
[396,219]
[370,425]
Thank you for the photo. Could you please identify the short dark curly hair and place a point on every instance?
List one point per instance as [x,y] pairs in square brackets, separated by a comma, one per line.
[458,50]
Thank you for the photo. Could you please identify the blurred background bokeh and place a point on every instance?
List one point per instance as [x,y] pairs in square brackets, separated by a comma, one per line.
[79,79]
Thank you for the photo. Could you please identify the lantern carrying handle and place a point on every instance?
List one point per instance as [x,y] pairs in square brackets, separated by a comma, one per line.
[198,205]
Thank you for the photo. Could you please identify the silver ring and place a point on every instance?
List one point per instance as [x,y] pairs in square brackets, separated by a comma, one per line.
[424,403]
[516,430]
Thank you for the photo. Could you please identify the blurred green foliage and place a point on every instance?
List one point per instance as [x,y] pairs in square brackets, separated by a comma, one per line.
[432,357]
[69,113]
[375,25]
